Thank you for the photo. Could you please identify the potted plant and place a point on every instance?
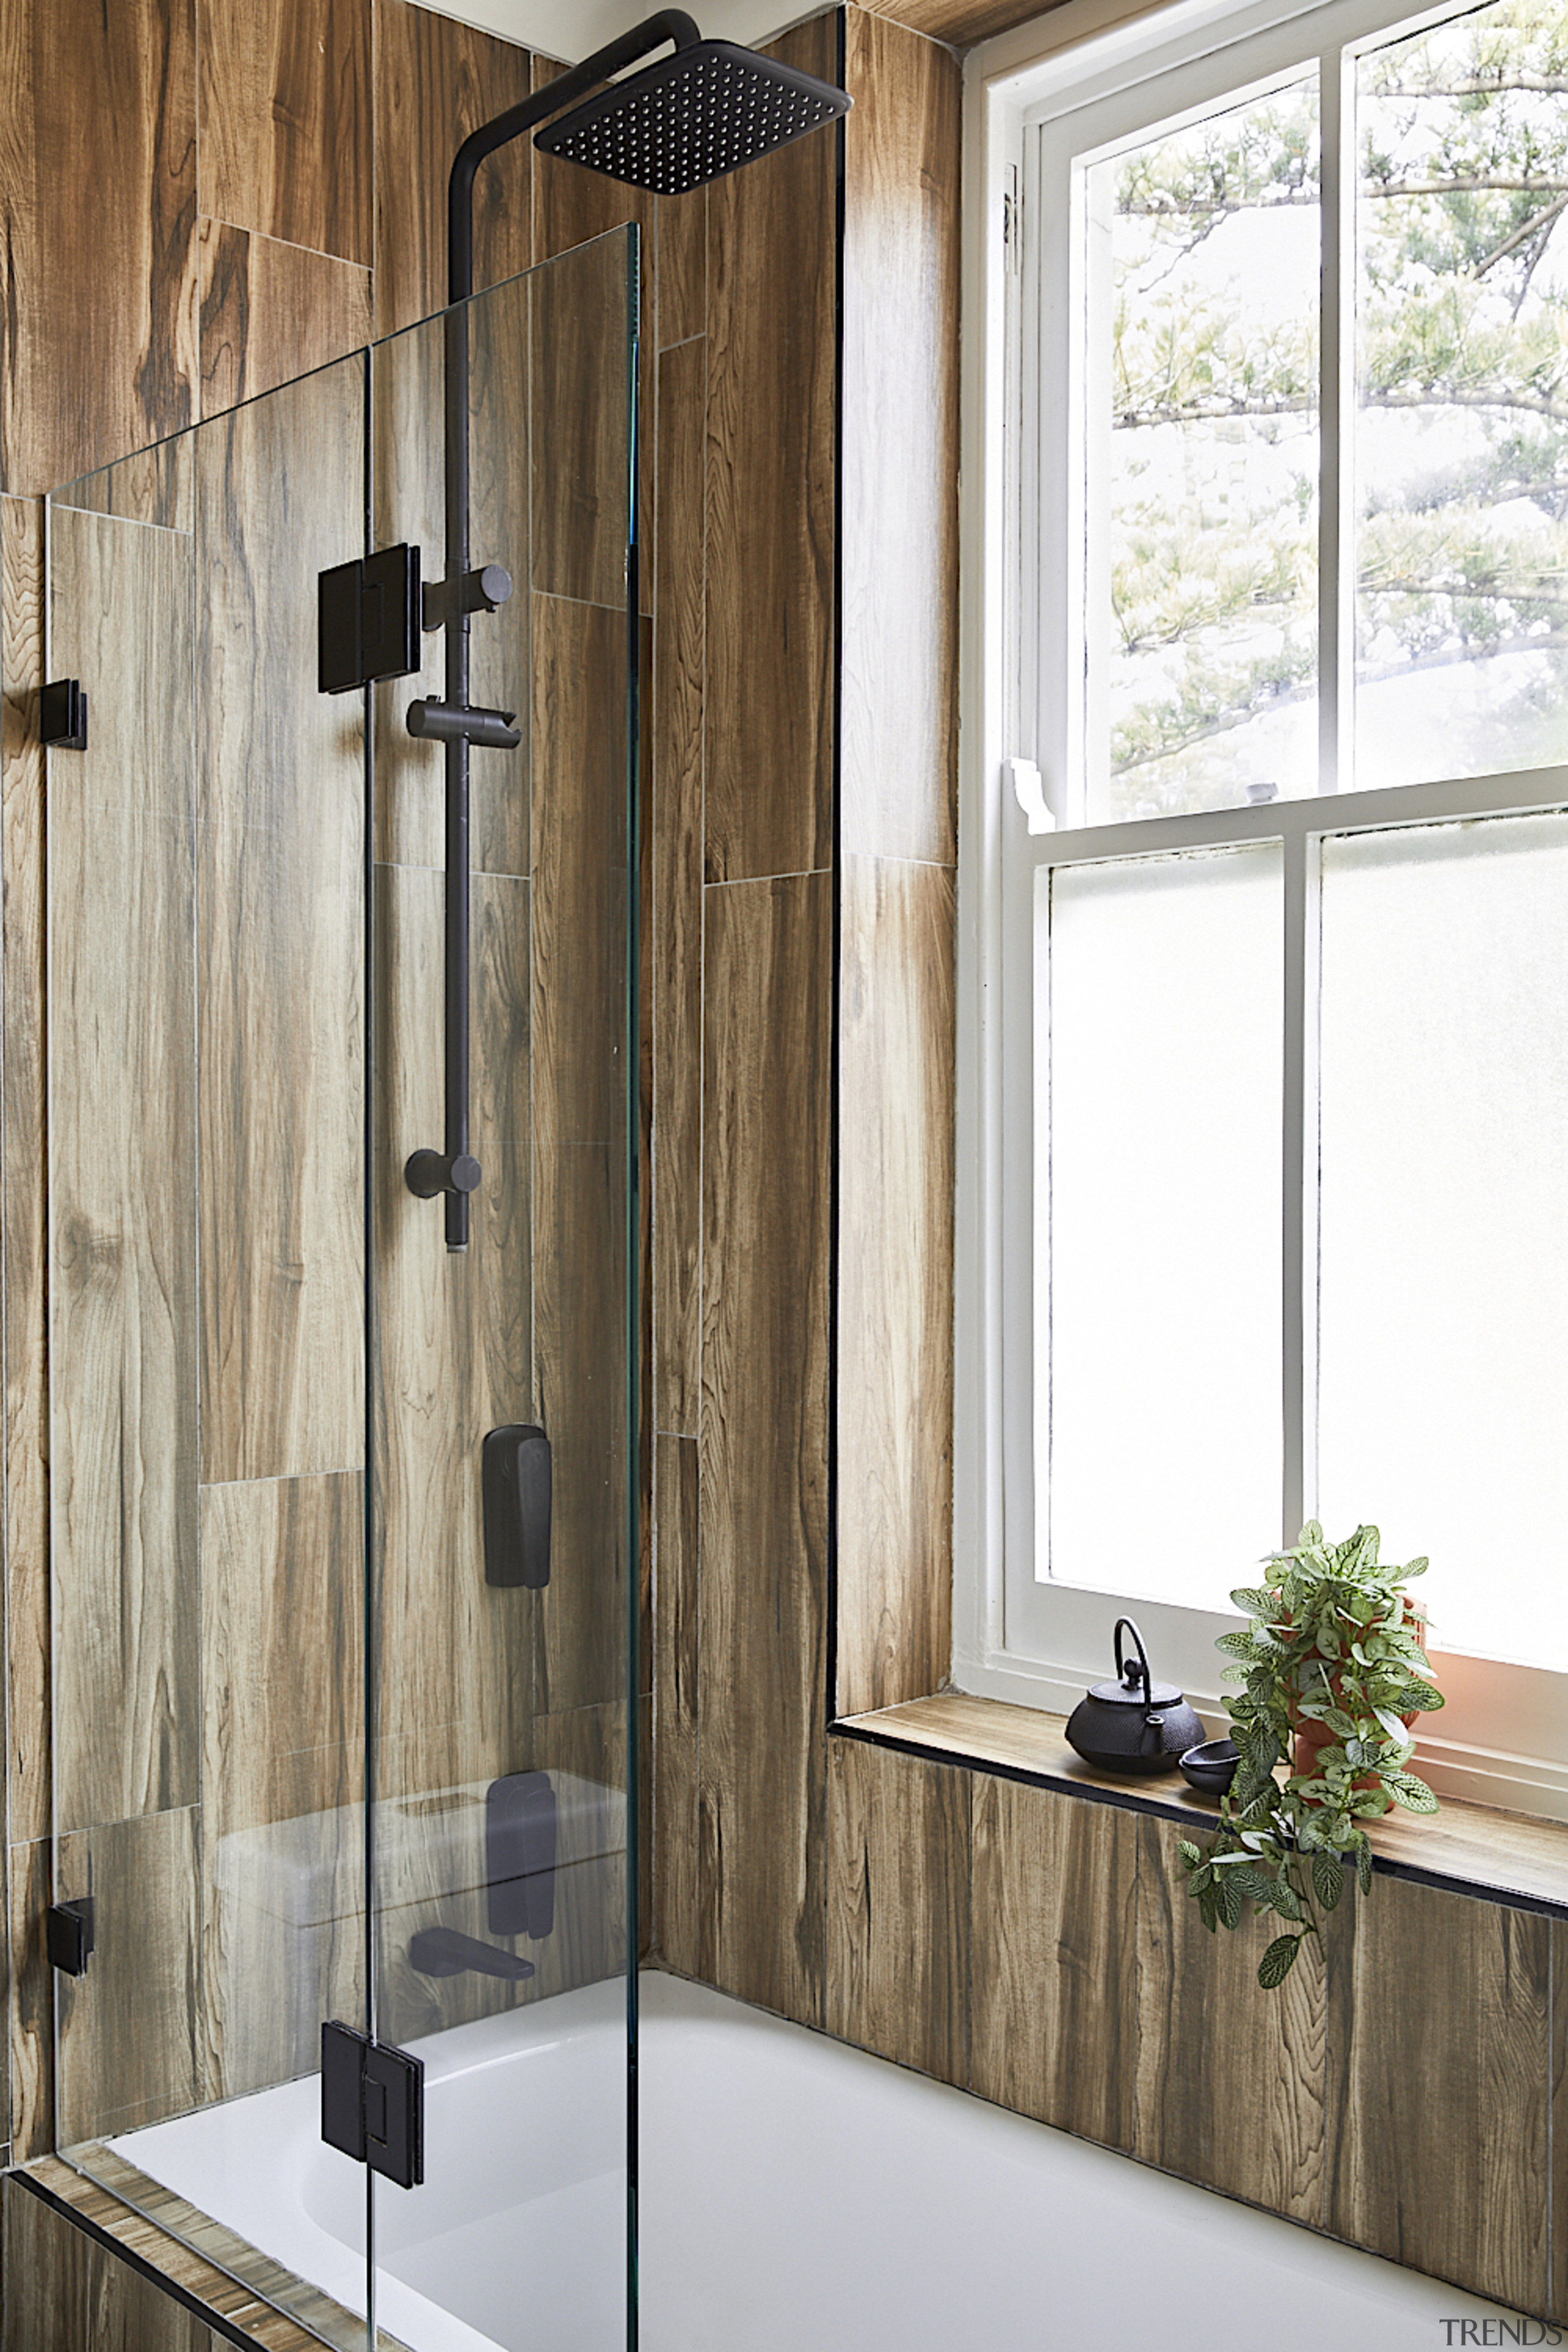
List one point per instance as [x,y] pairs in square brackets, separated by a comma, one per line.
[1333,1673]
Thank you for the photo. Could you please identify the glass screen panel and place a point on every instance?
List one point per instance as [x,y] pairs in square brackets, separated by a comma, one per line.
[1164,1015]
[502,1851]
[1444,1246]
[206,990]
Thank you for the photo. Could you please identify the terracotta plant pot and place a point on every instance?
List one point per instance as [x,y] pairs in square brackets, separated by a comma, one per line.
[1311,1735]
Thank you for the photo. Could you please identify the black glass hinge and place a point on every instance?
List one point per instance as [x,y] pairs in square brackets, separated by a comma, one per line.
[68,1935]
[62,715]
[367,620]
[373,2104]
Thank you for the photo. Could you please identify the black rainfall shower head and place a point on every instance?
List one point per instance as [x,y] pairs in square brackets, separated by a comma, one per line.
[693,117]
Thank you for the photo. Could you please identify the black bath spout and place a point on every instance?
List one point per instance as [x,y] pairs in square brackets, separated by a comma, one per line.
[447,1952]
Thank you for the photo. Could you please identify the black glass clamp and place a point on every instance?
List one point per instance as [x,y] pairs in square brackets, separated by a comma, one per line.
[367,621]
[373,2104]
[68,1935]
[62,715]
[446,601]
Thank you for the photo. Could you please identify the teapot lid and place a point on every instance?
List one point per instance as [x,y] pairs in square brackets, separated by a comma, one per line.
[1131,1694]
[1135,1686]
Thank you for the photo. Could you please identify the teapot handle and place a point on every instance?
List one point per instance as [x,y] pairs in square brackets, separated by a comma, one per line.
[1121,1672]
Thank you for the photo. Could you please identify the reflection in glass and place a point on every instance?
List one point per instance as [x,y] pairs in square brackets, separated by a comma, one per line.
[1164,1374]
[1203,463]
[1461,454]
[1444,1248]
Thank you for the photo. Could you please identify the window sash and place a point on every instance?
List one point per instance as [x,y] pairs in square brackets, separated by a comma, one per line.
[1504,1731]
[1050,1634]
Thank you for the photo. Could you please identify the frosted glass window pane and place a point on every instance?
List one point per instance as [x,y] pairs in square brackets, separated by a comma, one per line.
[1164,1377]
[1444,1217]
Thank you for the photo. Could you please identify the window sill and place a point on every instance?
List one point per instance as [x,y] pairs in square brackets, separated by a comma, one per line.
[1474,1850]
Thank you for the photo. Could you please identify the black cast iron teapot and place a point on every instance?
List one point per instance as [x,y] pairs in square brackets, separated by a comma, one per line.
[1134,1724]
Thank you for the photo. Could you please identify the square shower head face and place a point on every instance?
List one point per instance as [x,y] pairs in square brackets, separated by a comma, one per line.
[693,117]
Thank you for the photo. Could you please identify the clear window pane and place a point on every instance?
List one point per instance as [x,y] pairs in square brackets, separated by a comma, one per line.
[1461,453]
[1164,1012]
[1202,463]
[1443,1236]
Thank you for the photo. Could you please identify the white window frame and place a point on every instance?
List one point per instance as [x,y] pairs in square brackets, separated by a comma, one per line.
[1502,1739]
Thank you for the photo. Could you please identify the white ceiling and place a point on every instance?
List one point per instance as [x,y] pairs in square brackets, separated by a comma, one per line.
[569,29]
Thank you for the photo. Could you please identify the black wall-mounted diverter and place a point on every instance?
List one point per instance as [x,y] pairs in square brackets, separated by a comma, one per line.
[515,1482]
[520,1854]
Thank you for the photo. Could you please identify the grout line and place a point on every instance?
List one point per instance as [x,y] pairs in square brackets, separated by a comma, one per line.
[741,881]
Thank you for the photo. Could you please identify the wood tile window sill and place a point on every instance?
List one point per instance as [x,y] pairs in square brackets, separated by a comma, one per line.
[1496,1857]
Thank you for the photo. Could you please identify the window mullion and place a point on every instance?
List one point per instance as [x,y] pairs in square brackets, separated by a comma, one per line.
[1298,1161]
[1336,511]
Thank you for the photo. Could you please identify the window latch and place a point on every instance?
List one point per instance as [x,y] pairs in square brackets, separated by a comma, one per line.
[1029,792]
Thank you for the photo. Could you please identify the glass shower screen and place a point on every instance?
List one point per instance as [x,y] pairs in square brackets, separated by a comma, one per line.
[344,1522]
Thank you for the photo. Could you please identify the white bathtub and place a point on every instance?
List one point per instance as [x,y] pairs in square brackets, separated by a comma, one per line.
[793,2193]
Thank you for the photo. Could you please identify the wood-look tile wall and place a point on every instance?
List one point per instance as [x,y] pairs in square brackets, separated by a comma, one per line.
[803,829]
[1399,2092]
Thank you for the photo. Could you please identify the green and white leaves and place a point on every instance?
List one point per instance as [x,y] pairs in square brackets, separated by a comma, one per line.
[1278,1960]
[1331,1649]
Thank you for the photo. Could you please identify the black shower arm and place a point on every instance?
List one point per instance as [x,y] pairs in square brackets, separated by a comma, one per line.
[669,25]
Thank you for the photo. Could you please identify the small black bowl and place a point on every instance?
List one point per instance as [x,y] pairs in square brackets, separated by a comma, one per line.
[1212,1766]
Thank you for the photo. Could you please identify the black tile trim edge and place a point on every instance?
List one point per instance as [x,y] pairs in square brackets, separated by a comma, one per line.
[1132,1800]
[228,2329]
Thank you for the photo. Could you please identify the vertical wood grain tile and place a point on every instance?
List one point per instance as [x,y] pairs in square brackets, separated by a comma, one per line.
[282,1742]
[677,930]
[123,1159]
[279,883]
[270,312]
[436,80]
[1054,1966]
[895,1296]
[579,320]
[1439,2080]
[580,1277]
[581,422]
[65,2292]
[1557,2226]
[128,2053]
[899,445]
[580,912]
[408,394]
[31,1990]
[681,229]
[22,1157]
[898,1908]
[46,2276]
[676,1718]
[772,624]
[455,1696]
[286,120]
[98,181]
[764,1437]
[153,486]
[1231,2082]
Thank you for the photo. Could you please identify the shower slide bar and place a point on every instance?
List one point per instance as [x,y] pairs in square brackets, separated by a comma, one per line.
[690,118]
